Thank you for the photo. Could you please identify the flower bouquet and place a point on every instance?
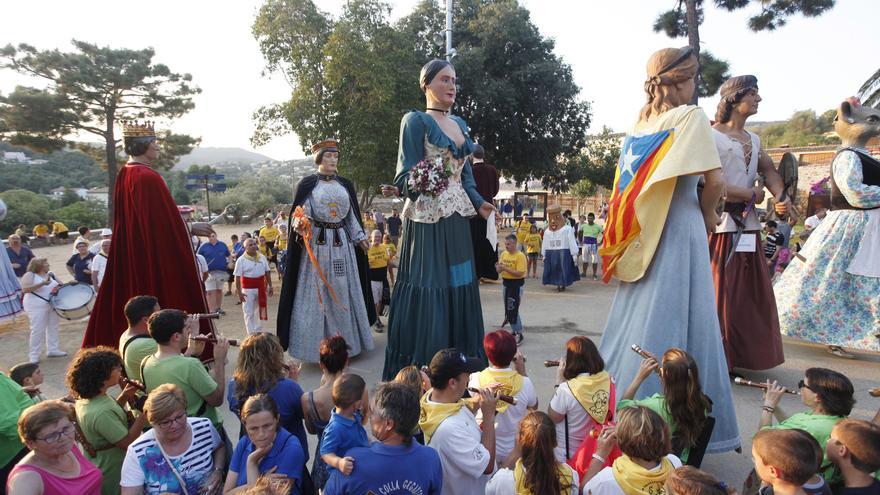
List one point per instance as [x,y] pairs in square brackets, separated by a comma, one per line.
[429,177]
[820,187]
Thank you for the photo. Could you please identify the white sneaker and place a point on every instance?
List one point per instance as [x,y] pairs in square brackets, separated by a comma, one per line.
[57,354]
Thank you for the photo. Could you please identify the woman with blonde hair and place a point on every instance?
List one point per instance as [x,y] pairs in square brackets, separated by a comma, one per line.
[656,244]
[261,370]
[532,468]
[688,480]
[38,286]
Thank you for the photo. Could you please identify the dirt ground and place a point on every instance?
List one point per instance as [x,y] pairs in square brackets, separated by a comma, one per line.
[550,319]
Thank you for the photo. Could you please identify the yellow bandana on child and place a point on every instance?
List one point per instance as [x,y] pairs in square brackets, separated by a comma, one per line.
[636,480]
[511,383]
[434,413]
[519,478]
[593,392]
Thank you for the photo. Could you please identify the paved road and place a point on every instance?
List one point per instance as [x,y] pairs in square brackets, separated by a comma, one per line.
[550,319]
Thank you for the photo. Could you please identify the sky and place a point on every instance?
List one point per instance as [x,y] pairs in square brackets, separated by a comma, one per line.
[809,63]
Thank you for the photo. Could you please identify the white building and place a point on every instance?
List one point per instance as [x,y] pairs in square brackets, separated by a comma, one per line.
[98,194]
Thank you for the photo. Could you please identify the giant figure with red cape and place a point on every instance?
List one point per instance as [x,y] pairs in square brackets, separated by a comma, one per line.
[151,252]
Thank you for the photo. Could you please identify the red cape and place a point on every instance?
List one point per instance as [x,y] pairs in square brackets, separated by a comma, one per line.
[150,254]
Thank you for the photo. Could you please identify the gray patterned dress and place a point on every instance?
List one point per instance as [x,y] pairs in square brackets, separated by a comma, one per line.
[314,318]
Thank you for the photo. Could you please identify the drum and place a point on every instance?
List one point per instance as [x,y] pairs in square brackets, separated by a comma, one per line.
[73,301]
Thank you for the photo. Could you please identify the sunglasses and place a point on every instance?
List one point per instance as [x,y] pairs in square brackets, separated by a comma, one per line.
[803,384]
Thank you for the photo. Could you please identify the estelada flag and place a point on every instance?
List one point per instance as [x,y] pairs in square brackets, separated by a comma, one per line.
[639,158]
[654,154]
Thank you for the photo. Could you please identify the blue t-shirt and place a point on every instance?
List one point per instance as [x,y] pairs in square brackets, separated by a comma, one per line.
[343,434]
[79,265]
[215,255]
[390,470]
[238,249]
[286,453]
[23,257]
[287,395]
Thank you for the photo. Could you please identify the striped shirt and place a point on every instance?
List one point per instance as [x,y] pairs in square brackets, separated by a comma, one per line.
[145,465]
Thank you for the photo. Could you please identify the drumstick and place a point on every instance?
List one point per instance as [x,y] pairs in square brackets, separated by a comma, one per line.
[212,339]
[763,386]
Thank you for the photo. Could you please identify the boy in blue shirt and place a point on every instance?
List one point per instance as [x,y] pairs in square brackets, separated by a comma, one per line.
[345,429]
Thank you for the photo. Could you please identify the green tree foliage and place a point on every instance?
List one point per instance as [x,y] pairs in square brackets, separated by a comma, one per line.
[63,169]
[685,18]
[590,169]
[351,80]
[24,207]
[89,213]
[713,73]
[90,89]
[519,99]
[254,195]
[803,128]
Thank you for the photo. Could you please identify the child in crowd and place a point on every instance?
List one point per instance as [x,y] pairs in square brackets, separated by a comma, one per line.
[512,267]
[30,377]
[784,460]
[392,253]
[346,427]
[591,236]
[369,223]
[521,229]
[533,251]
[688,480]
[772,243]
[378,259]
[854,447]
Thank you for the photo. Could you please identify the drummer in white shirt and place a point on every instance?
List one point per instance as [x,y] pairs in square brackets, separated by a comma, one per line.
[99,264]
[38,286]
[252,277]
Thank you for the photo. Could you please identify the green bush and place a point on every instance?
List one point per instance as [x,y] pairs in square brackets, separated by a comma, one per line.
[24,207]
[89,213]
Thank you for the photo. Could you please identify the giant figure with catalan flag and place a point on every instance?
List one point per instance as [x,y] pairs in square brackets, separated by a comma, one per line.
[656,241]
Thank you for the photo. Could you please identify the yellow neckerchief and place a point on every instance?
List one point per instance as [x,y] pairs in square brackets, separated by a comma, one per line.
[519,479]
[593,392]
[255,259]
[434,413]
[636,480]
[511,383]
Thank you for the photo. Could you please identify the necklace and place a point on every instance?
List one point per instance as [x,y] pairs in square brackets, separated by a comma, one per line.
[444,112]
[326,177]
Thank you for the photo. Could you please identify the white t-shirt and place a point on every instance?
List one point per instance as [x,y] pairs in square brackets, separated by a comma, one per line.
[605,484]
[95,248]
[203,264]
[559,239]
[579,421]
[812,222]
[251,269]
[507,423]
[143,457]
[463,457]
[503,482]
[98,266]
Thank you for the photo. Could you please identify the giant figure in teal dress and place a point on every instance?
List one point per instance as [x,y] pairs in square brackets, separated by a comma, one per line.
[436,298]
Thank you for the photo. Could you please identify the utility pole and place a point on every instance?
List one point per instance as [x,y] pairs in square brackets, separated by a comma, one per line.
[449,51]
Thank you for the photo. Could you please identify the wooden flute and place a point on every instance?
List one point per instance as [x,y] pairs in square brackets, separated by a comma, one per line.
[502,397]
[763,386]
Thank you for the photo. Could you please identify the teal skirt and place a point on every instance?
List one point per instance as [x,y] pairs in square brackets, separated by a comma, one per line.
[436,299]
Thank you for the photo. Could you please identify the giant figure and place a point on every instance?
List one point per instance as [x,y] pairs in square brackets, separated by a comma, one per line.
[655,241]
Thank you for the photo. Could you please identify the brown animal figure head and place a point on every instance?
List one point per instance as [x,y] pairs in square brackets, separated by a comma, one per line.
[856,124]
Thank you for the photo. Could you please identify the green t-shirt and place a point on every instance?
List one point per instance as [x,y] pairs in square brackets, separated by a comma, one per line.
[594,231]
[103,423]
[820,426]
[137,350]
[657,403]
[13,400]
[190,375]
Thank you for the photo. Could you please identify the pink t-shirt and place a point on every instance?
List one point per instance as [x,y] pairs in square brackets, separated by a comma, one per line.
[87,482]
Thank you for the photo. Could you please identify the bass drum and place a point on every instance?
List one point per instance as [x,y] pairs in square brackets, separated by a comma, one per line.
[74,301]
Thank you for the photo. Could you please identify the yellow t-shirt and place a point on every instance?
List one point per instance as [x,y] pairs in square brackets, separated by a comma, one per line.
[41,229]
[281,244]
[58,228]
[270,233]
[265,250]
[533,243]
[391,248]
[378,256]
[369,226]
[514,261]
[522,230]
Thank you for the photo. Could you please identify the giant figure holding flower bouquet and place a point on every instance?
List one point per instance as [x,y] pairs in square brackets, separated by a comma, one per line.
[325,290]
[436,299]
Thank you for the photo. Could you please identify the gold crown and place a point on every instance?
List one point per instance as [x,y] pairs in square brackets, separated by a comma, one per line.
[133,128]
[327,143]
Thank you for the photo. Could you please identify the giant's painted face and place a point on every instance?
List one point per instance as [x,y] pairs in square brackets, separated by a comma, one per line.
[555,219]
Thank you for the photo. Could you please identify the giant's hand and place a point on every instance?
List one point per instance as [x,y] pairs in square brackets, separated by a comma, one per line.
[486,209]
